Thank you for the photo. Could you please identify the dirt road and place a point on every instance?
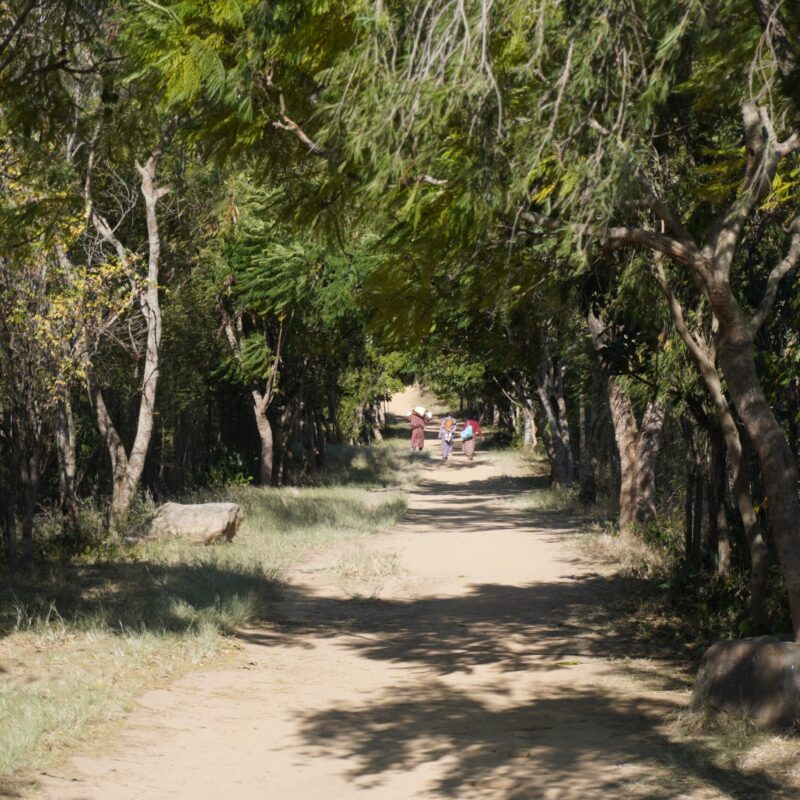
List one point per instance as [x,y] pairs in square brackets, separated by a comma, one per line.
[476,671]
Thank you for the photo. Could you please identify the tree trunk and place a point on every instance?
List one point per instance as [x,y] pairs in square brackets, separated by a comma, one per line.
[265,437]
[625,434]
[718,530]
[550,388]
[778,471]
[8,493]
[688,503]
[588,486]
[29,479]
[699,499]
[647,447]
[287,434]
[637,447]
[64,421]
[128,469]
[704,358]
[375,420]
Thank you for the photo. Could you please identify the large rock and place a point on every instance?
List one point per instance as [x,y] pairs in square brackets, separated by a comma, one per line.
[201,522]
[755,678]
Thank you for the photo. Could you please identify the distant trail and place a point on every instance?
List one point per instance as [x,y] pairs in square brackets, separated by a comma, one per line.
[476,673]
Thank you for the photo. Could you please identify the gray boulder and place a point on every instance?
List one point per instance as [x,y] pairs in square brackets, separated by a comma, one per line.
[204,523]
[755,678]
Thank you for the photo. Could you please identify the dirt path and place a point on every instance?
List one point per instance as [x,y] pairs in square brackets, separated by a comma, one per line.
[475,673]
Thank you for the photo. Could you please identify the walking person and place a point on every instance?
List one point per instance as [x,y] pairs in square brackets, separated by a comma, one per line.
[417,419]
[447,431]
[472,430]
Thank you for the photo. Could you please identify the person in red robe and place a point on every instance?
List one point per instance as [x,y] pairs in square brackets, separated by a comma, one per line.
[417,423]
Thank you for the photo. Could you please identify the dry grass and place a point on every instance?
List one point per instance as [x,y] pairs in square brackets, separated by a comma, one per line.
[735,744]
[81,640]
[628,553]
[362,572]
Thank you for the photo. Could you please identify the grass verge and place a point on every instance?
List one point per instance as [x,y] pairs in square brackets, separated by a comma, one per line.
[80,640]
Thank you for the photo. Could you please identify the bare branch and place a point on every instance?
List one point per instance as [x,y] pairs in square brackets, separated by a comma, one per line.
[776,275]
[289,124]
[777,36]
[699,352]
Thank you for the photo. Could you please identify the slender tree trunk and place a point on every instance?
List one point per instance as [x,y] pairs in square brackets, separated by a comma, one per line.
[375,421]
[625,434]
[265,438]
[699,500]
[128,468]
[718,528]
[779,473]
[287,434]
[588,485]
[8,493]
[647,447]
[547,439]
[549,387]
[64,421]
[307,438]
[29,479]
[688,504]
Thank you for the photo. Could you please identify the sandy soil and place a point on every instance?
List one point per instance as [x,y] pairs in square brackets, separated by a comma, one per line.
[473,670]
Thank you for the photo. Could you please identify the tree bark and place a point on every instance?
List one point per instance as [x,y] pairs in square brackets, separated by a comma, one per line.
[588,485]
[778,470]
[550,388]
[64,422]
[637,446]
[29,479]
[8,492]
[647,447]
[718,529]
[266,439]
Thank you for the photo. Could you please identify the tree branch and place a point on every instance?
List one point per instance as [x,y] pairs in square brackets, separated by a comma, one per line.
[682,252]
[698,352]
[778,272]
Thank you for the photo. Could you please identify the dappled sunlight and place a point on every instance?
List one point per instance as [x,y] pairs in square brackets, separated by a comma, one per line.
[571,743]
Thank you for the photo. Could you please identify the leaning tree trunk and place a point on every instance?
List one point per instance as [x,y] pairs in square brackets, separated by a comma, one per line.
[778,468]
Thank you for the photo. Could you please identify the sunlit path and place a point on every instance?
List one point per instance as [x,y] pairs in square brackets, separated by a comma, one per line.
[480,667]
